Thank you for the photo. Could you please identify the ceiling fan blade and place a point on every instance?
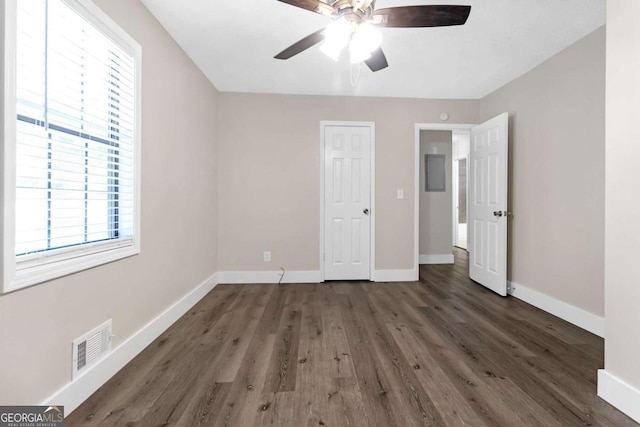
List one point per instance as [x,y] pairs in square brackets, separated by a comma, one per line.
[301,45]
[377,61]
[421,16]
[311,5]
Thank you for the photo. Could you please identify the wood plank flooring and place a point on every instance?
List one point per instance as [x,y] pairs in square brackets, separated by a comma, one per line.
[440,352]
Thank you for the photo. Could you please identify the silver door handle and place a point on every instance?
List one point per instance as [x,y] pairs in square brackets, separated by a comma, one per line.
[365,211]
[497,213]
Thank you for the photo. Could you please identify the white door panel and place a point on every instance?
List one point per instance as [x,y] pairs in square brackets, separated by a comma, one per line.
[347,174]
[488,204]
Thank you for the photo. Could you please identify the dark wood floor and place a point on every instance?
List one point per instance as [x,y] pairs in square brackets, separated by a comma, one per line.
[442,351]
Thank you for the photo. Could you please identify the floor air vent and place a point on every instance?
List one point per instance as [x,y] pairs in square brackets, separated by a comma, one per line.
[91,347]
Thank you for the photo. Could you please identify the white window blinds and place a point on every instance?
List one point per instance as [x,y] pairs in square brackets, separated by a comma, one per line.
[75,134]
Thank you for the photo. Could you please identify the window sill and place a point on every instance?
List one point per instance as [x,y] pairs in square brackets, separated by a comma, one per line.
[30,275]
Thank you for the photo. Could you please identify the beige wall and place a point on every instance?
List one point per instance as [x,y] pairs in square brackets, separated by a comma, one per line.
[179,227]
[622,277]
[270,175]
[556,179]
[436,208]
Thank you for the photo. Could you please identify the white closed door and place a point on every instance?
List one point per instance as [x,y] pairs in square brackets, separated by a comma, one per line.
[347,196]
[488,204]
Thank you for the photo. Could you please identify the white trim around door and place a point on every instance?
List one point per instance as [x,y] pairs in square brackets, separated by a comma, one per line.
[416,180]
[456,196]
[372,209]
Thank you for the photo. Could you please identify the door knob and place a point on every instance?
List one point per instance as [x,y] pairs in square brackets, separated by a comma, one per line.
[497,213]
[365,211]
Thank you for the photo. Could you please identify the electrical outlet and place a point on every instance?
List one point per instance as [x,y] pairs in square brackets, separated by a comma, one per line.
[266,256]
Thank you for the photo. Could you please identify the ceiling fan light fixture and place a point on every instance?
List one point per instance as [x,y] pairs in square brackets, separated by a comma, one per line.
[354,22]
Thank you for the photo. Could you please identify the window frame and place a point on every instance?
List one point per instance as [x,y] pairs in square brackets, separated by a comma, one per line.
[45,266]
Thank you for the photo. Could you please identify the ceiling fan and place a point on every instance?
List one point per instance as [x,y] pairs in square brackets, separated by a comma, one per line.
[354,23]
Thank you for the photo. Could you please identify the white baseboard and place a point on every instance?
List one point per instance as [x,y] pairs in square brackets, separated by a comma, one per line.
[251,277]
[436,259]
[77,391]
[568,312]
[230,277]
[395,275]
[620,394]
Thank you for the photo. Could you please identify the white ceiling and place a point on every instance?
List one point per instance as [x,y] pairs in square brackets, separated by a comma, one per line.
[234,41]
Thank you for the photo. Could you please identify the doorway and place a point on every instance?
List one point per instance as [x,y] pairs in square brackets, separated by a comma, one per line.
[436,197]
[487,171]
[347,238]
[439,208]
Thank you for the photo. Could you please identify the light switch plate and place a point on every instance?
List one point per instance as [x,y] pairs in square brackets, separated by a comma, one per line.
[400,194]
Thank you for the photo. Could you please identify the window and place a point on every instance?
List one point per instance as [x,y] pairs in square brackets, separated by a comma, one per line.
[71,140]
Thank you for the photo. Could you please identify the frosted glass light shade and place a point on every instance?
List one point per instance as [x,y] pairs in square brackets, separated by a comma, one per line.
[331,50]
[357,53]
[366,38]
[336,38]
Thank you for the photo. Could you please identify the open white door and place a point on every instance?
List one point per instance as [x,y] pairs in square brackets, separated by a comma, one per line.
[488,204]
[347,198]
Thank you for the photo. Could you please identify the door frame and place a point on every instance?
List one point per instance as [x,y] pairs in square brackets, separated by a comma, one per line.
[372,189]
[456,188]
[416,180]
[454,202]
